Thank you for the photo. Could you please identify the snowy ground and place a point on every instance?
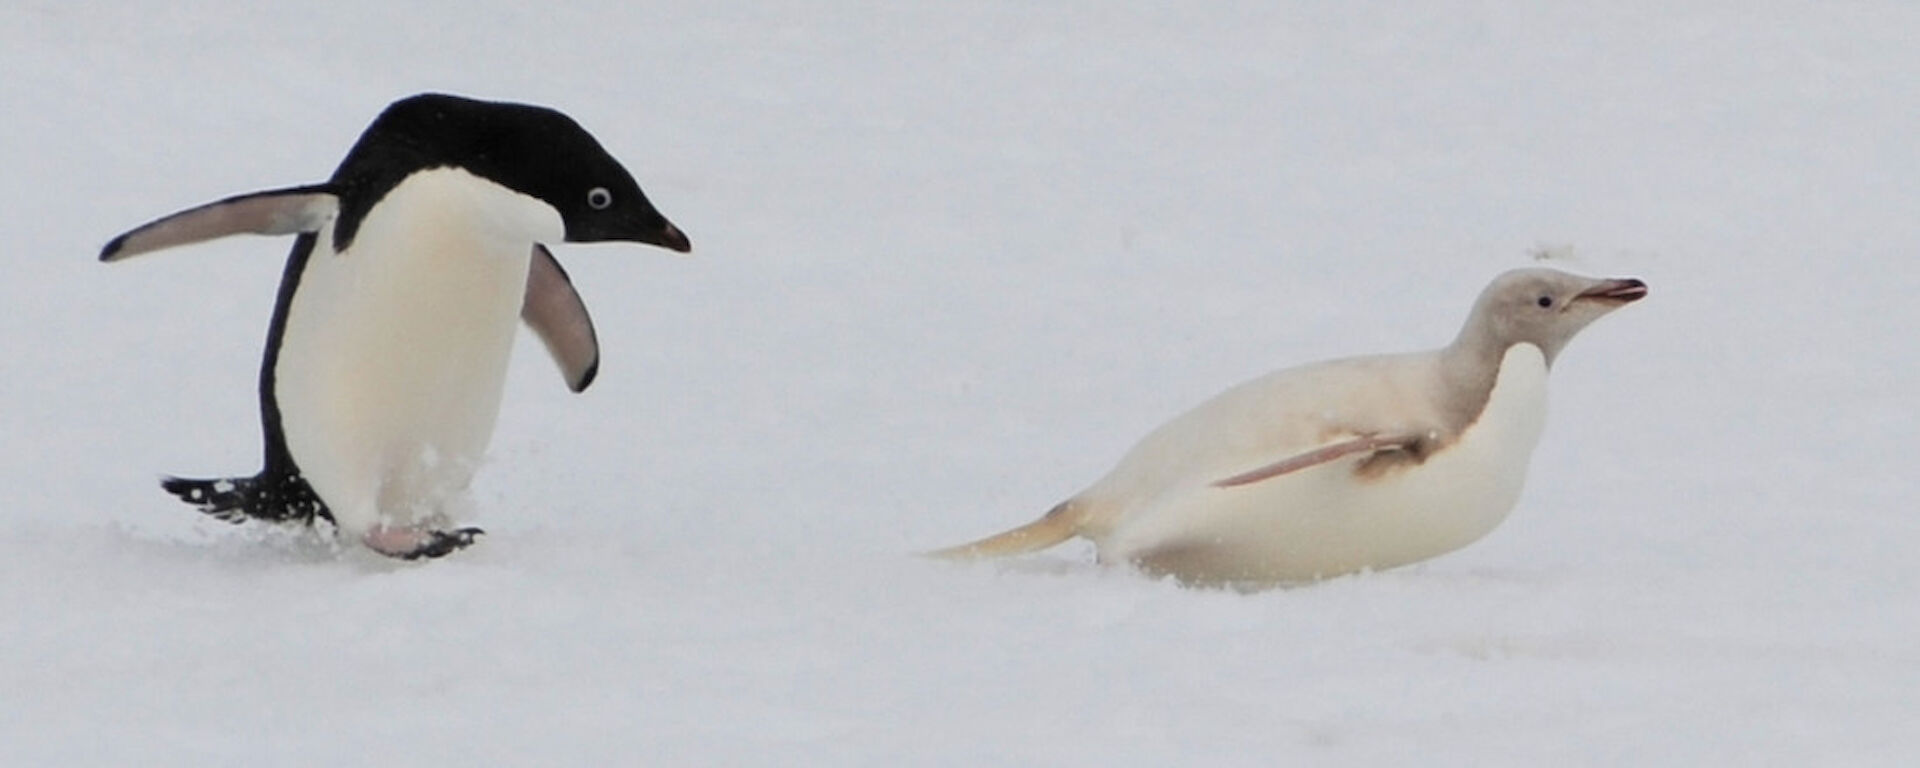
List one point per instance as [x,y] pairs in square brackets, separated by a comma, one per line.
[950,261]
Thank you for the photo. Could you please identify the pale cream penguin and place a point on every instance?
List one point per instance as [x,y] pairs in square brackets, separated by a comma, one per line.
[1339,466]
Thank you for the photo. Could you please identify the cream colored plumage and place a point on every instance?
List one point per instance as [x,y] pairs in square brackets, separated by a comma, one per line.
[1339,466]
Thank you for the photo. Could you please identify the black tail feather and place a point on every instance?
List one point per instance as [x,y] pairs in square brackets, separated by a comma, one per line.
[273,497]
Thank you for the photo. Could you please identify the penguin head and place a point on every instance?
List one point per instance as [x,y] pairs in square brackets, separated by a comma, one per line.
[532,150]
[1542,307]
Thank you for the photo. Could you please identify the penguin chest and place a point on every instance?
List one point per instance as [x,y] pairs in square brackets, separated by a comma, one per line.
[1332,519]
[395,350]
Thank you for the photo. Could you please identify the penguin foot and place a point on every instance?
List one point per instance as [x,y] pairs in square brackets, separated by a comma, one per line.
[418,543]
[440,543]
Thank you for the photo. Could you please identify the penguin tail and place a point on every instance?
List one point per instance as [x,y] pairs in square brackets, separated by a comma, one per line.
[270,496]
[1057,525]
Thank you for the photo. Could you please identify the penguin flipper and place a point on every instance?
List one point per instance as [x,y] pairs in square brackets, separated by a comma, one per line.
[272,212]
[553,309]
[1409,445]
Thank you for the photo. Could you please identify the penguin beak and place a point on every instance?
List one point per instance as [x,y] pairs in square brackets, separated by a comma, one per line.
[1618,291]
[669,237]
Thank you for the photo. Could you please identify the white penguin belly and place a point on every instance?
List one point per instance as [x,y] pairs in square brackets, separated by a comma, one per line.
[395,351]
[1327,520]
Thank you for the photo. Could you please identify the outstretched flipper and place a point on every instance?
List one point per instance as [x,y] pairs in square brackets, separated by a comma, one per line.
[1408,445]
[273,212]
[553,309]
[270,496]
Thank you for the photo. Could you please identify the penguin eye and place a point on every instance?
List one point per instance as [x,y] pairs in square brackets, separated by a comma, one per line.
[1544,301]
[599,198]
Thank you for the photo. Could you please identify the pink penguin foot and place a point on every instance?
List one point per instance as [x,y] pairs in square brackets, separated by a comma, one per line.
[415,543]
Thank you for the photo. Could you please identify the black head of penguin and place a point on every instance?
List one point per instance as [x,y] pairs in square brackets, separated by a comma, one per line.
[532,150]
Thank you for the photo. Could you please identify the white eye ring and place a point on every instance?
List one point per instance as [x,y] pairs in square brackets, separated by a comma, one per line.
[599,198]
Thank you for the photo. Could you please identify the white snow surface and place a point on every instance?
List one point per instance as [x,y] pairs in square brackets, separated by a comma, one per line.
[951,260]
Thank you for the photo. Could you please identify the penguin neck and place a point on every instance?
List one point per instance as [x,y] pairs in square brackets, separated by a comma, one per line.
[1468,370]
[485,206]
[454,199]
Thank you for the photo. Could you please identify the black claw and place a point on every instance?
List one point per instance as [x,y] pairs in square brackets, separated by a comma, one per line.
[443,542]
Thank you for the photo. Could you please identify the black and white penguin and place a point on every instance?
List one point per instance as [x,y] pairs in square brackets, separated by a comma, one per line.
[395,318]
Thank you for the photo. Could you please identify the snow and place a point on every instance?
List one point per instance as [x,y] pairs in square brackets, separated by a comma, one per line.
[950,261]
